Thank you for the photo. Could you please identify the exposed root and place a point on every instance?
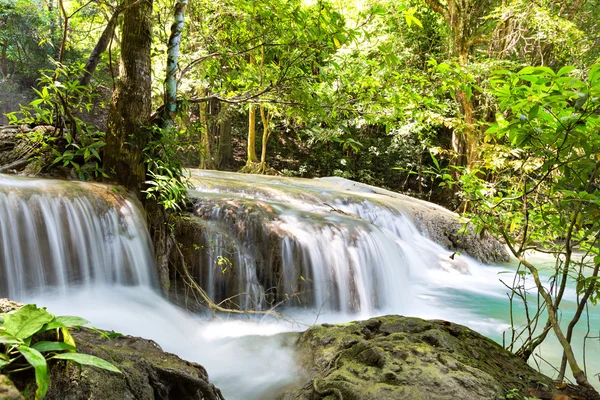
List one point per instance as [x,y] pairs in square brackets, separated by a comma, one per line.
[259,168]
[214,307]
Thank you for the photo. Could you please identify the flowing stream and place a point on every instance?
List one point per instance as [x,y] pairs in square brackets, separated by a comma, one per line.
[326,250]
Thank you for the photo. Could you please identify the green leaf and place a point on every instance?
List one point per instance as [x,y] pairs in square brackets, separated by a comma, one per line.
[27,321]
[44,347]
[71,322]
[86,359]
[565,70]
[67,338]
[6,338]
[3,364]
[38,362]
[52,325]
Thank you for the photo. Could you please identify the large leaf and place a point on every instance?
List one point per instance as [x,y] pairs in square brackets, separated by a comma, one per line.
[6,338]
[27,321]
[38,362]
[86,359]
[71,322]
[44,347]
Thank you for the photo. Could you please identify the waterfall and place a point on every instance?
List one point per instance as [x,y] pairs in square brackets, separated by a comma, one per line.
[310,244]
[57,234]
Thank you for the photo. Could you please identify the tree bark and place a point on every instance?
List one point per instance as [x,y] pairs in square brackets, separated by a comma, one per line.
[63,43]
[101,46]
[225,149]
[172,60]
[4,60]
[128,125]
[205,160]
[264,117]
[252,158]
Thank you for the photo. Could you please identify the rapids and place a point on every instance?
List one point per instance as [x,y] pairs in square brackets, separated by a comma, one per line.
[345,251]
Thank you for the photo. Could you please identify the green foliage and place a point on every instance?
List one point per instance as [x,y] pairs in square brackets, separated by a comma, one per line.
[539,187]
[168,183]
[545,178]
[20,334]
[60,100]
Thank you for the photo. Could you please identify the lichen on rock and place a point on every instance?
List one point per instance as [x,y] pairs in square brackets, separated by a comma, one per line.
[8,391]
[395,357]
[147,372]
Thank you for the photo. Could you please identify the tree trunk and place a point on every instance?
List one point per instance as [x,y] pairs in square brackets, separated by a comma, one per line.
[101,46]
[63,43]
[205,161]
[264,117]
[462,138]
[225,149]
[128,123]
[172,61]
[4,60]
[252,158]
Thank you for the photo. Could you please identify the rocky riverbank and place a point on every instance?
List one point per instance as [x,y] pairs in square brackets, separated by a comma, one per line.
[398,358]
[147,372]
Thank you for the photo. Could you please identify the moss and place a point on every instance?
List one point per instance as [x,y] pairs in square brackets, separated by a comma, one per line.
[8,391]
[395,357]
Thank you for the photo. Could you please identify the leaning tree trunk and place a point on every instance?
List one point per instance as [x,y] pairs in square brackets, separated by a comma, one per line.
[101,46]
[128,123]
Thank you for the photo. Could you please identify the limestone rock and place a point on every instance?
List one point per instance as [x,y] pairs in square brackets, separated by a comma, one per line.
[395,357]
[147,372]
[8,391]
[7,305]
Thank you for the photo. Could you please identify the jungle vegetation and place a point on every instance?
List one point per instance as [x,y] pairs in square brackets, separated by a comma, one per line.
[489,107]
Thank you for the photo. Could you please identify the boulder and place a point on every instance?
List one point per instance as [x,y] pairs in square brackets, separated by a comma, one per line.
[394,357]
[8,391]
[147,372]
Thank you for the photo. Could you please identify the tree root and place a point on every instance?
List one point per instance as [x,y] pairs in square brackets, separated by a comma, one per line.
[258,168]
[214,307]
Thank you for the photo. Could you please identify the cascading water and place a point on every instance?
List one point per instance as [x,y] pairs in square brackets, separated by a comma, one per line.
[328,250]
[83,249]
[339,250]
[61,234]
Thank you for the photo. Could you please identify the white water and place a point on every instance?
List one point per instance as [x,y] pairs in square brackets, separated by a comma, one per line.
[72,244]
[56,234]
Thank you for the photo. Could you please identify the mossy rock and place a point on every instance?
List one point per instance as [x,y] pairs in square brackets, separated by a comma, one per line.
[394,357]
[8,391]
[147,372]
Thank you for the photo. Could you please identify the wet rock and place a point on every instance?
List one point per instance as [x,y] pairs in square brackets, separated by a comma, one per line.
[410,358]
[147,372]
[8,391]
[446,229]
